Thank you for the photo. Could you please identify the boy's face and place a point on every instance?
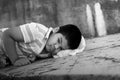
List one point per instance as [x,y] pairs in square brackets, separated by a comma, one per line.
[55,43]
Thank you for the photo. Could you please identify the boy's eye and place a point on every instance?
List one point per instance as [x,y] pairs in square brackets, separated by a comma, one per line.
[59,41]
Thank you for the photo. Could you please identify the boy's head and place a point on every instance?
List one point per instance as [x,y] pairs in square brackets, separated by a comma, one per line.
[64,37]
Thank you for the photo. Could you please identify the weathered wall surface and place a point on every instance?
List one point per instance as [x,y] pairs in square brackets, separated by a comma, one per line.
[74,11]
[59,12]
[17,12]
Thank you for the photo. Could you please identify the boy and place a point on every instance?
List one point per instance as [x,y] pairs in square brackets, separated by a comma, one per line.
[33,40]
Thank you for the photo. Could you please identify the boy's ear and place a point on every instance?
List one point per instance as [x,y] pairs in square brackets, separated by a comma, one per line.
[56,29]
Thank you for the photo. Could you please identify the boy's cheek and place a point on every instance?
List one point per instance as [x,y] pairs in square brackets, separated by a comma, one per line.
[47,48]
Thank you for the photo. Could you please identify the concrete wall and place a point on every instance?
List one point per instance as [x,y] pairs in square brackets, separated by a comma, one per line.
[74,11]
[17,12]
[59,12]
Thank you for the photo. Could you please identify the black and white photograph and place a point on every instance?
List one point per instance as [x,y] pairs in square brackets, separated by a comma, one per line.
[59,39]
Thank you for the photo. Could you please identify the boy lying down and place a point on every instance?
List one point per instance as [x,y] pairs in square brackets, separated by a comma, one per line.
[22,45]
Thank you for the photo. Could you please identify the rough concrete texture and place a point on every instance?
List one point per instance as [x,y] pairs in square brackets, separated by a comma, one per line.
[101,57]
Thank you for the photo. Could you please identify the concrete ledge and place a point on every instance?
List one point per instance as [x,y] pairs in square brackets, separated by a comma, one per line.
[100,60]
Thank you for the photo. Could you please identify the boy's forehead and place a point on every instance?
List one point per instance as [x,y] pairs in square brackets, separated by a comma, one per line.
[64,41]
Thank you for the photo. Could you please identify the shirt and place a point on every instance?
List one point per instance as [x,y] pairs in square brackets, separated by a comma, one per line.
[35,37]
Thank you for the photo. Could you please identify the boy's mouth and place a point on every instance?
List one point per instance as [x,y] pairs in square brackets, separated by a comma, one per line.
[50,48]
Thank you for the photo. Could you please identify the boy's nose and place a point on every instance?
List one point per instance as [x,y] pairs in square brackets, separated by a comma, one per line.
[57,46]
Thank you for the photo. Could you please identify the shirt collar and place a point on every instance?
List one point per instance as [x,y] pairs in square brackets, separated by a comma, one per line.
[48,33]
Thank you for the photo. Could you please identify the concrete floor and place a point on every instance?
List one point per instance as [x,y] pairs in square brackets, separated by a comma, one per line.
[101,57]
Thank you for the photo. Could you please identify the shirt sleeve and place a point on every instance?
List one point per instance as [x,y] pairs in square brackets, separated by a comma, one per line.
[33,31]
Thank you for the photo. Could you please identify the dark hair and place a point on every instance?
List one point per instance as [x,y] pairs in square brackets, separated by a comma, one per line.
[72,34]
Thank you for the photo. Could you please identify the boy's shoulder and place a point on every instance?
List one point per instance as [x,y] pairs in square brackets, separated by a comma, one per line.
[35,23]
[38,25]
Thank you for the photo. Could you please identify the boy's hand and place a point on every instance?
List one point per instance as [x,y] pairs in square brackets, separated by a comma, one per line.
[43,55]
[21,61]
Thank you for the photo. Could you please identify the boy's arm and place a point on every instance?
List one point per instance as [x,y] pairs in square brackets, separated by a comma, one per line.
[45,55]
[11,36]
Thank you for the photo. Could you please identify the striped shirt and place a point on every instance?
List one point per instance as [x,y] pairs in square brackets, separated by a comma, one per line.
[35,37]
